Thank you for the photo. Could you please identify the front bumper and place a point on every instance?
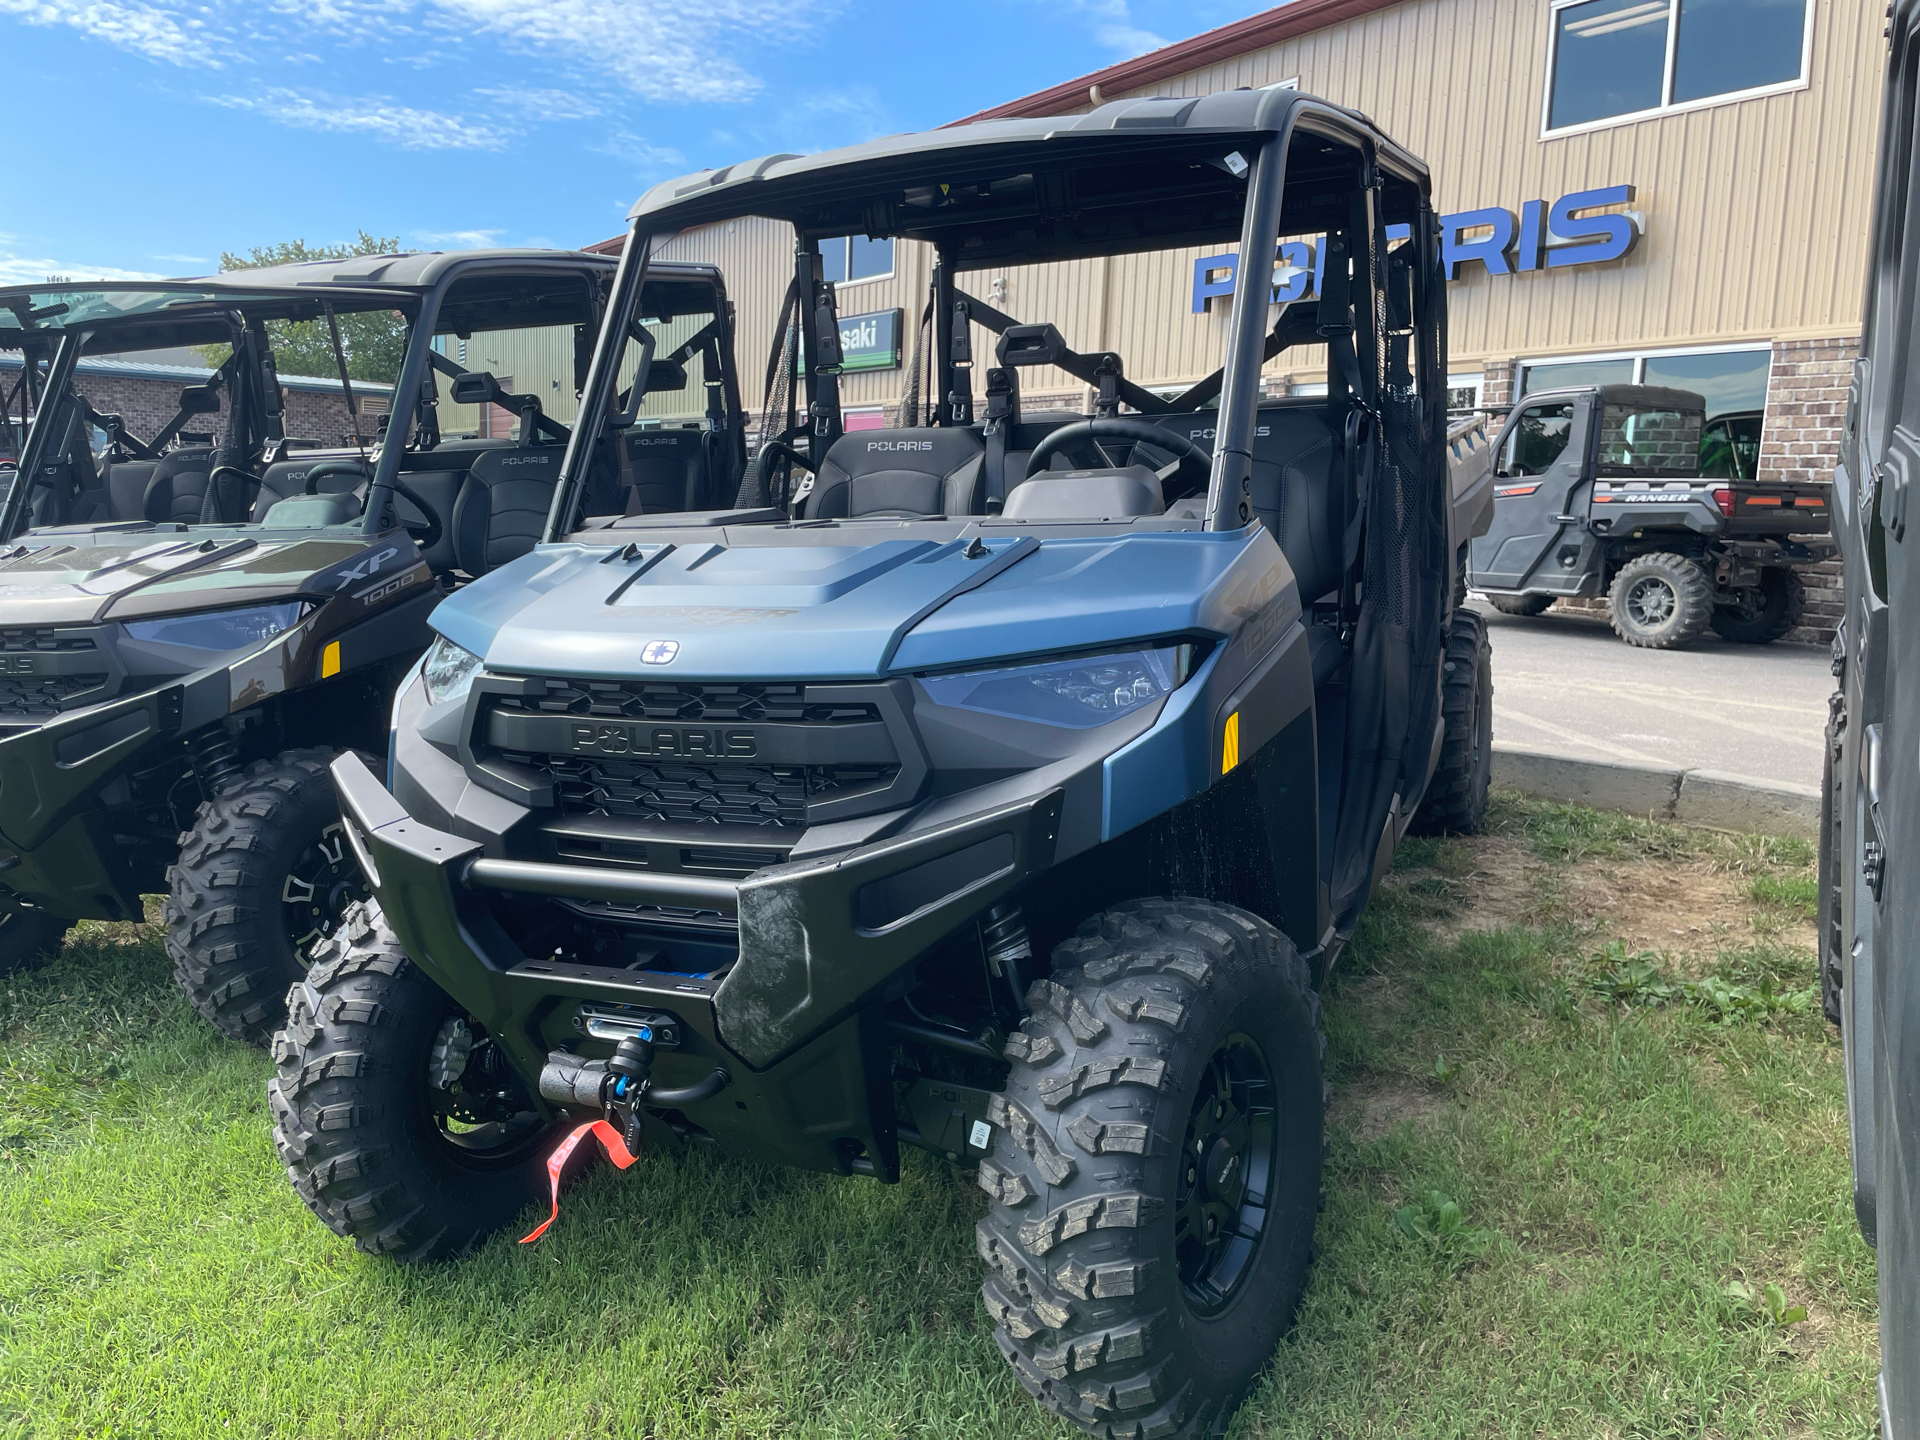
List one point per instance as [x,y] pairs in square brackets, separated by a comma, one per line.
[820,939]
[53,851]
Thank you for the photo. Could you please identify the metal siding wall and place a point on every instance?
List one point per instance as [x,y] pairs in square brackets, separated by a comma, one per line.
[1726,190]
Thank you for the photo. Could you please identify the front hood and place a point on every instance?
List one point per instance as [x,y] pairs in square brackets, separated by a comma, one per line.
[68,580]
[829,611]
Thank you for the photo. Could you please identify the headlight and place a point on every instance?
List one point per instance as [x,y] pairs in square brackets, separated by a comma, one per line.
[220,629]
[1078,693]
[448,671]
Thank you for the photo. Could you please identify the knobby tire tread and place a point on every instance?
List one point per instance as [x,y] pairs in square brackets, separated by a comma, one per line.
[1076,1289]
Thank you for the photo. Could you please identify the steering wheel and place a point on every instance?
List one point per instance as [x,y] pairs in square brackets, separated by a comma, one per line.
[426,535]
[1084,437]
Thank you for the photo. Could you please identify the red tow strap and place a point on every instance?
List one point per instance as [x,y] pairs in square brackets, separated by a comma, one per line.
[610,1141]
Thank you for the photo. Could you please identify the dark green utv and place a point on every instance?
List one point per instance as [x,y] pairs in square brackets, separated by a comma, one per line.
[198,612]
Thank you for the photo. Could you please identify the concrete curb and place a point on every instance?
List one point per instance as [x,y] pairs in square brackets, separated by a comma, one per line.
[1711,799]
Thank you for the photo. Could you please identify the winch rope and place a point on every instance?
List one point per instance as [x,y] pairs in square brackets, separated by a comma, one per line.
[610,1141]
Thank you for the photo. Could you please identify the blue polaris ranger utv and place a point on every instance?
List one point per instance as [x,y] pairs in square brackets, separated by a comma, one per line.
[1000,783]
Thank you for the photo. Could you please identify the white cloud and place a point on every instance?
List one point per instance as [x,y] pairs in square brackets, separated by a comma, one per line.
[640,154]
[657,49]
[1113,28]
[32,270]
[543,104]
[144,29]
[375,116]
[461,239]
[183,259]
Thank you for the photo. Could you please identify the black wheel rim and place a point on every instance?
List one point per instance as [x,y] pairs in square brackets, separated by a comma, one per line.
[322,882]
[1226,1178]
[475,1103]
[1651,602]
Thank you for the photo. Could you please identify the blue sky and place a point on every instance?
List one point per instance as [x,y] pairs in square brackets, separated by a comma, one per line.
[149,135]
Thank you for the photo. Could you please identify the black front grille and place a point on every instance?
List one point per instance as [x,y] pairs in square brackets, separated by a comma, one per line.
[43,694]
[685,794]
[645,700]
[40,641]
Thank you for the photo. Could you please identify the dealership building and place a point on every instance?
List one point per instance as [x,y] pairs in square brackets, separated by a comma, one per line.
[1674,192]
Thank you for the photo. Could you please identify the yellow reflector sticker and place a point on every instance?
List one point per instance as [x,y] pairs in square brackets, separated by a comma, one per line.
[1230,744]
[330,660]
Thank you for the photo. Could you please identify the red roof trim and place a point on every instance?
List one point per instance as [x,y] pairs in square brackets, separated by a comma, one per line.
[1267,28]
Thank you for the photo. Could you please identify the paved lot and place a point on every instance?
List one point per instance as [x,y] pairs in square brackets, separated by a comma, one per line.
[1563,683]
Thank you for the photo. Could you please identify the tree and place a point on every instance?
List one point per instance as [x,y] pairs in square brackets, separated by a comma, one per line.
[374,340]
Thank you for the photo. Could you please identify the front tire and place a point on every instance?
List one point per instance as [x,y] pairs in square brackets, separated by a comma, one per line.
[1766,612]
[1456,799]
[397,1117]
[1523,605]
[1660,601]
[264,875]
[1137,1286]
[29,938]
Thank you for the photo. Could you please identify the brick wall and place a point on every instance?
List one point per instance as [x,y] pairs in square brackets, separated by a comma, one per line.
[147,405]
[1806,407]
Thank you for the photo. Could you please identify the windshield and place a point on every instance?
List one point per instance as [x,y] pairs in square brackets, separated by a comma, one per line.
[68,308]
[1640,441]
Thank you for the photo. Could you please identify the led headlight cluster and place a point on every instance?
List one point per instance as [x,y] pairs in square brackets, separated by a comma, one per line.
[219,630]
[1077,693]
[448,671]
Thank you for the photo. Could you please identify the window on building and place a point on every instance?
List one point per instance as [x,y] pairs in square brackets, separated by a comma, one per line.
[847,258]
[1464,391]
[1615,58]
[1731,381]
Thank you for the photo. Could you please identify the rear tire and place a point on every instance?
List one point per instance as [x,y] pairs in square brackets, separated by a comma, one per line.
[1660,601]
[29,938]
[264,875]
[1456,799]
[1525,605]
[361,1126]
[1770,613]
[1133,1292]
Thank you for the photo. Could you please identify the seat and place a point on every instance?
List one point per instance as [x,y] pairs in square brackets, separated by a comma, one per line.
[177,488]
[663,470]
[124,485]
[287,478]
[1296,494]
[503,504]
[914,474]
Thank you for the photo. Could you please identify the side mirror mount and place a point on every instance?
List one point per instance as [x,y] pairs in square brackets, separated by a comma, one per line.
[477,387]
[668,375]
[199,400]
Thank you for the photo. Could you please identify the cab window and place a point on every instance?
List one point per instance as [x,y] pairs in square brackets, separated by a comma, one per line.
[1538,437]
[1641,441]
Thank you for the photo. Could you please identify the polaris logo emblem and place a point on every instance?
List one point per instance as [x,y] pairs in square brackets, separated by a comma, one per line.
[643,440]
[659,652]
[679,742]
[899,445]
[16,665]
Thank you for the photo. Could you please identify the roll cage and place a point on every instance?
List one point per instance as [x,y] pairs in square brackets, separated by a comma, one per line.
[1153,174]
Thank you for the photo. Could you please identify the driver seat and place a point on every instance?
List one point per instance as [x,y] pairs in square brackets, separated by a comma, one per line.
[919,473]
[286,478]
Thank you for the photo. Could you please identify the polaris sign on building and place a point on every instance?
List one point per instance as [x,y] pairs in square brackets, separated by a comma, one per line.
[1549,237]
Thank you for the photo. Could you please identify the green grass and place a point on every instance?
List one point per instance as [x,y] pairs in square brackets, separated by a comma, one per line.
[1554,1207]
